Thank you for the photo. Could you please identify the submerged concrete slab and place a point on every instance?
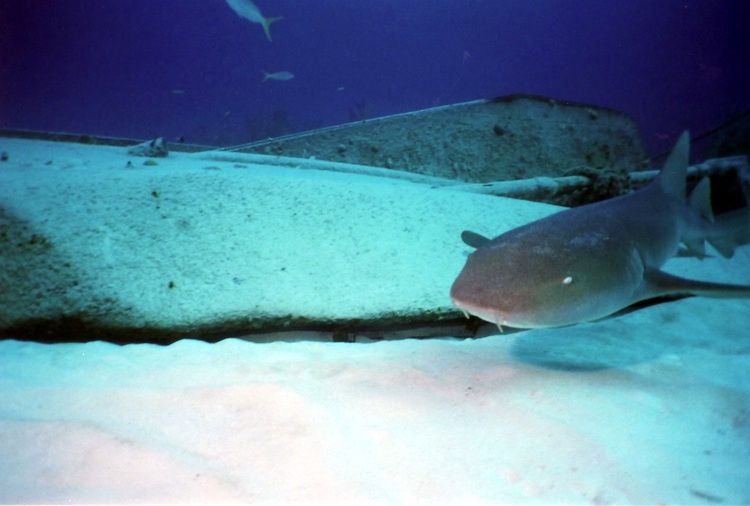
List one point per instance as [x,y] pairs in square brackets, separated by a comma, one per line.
[95,244]
[500,139]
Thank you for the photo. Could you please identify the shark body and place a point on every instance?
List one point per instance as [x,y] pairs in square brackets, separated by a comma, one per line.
[585,263]
[248,10]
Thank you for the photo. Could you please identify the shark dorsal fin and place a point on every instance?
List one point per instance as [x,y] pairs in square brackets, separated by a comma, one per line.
[673,174]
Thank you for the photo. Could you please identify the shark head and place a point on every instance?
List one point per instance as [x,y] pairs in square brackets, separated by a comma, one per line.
[532,278]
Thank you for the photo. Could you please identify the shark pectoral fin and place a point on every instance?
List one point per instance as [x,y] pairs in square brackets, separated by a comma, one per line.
[473,239]
[267,22]
[658,283]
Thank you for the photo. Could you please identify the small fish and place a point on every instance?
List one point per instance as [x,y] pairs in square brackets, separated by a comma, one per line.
[248,10]
[587,262]
[277,76]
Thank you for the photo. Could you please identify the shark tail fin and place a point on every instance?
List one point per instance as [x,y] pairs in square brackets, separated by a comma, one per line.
[725,232]
[700,200]
[730,230]
[700,203]
[659,283]
[267,22]
[673,174]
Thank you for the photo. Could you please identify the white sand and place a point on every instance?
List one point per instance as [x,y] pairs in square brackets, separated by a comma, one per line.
[650,407]
[661,417]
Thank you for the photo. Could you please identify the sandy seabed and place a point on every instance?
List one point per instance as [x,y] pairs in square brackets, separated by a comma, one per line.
[650,407]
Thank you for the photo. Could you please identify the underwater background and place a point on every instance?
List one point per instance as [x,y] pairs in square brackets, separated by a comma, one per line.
[264,327]
[194,68]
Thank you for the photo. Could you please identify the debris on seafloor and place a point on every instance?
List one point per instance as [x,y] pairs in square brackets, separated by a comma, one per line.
[155,148]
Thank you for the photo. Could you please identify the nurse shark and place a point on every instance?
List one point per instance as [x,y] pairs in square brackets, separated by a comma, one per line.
[587,262]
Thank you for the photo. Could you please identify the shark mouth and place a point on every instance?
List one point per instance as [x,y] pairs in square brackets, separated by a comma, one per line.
[486,314]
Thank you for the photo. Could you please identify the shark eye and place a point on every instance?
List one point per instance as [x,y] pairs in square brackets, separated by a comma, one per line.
[567,280]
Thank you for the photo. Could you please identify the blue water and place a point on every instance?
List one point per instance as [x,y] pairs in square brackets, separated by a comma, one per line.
[193,68]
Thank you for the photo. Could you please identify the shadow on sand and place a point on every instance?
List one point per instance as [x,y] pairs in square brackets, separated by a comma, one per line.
[616,342]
